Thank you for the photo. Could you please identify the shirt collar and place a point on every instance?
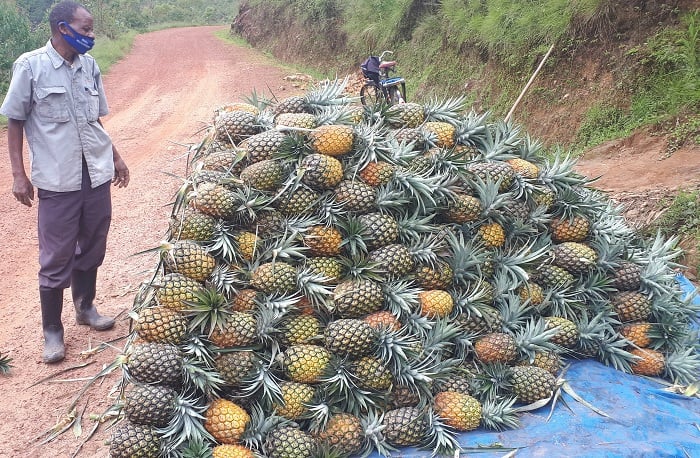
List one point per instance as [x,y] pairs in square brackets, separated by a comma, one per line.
[57,60]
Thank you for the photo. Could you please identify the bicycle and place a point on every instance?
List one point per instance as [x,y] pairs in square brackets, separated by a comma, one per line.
[379,87]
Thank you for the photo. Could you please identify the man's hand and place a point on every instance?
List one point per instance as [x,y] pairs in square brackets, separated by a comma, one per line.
[23,190]
[121,173]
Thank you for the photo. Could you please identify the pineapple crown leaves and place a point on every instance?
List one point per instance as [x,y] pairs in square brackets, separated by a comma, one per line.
[198,349]
[223,243]
[440,340]
[426,190]
[328,211]
[427,246]
[258,100]
[371,145]
[512,264]
[610,349]
[353,236]
[390,199]
[683,366]
[401,297]
[314,286]
[227,280]
[472,130]
[263,384]
[468,257]
[373,427]
[442,438]
[328,93]
[396,348]
[5,364]
[447,110]
[558,174]
[472,300]
[198,375]
[260,425]
[186,425]
[530,149]
[360,267]
[492,382]
[534,337]
[416,230]
[500,414]
[341,389]
[208,311]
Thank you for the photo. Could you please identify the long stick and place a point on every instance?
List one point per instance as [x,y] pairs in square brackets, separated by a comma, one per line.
[527,86]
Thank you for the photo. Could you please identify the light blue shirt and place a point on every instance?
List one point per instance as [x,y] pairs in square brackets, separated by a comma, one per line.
[60,105]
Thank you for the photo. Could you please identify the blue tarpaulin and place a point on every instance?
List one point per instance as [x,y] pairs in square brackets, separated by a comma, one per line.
[644,420]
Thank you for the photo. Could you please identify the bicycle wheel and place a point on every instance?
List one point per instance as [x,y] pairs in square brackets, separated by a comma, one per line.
[395,96]
[370,95]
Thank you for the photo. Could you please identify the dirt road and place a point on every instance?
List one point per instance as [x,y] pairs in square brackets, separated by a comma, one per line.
[161,96]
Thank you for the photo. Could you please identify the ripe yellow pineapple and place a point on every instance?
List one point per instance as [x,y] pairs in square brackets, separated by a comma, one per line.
[435,303]
[332,140]
[323,240]
[443,132]
[459,410]
[306,363]
[226,421]
[231,451]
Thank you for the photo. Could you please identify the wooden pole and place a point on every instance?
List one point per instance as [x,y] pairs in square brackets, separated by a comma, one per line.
[527,86]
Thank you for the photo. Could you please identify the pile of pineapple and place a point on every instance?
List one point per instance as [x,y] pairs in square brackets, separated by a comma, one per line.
[341,281]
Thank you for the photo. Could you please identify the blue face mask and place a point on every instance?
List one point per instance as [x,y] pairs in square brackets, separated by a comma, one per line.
[81,43]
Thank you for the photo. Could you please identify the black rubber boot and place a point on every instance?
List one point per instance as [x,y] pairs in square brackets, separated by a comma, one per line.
[51,308]
[83,285]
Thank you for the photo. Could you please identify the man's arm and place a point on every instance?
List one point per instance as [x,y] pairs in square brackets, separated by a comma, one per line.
[121,171]
[22,187]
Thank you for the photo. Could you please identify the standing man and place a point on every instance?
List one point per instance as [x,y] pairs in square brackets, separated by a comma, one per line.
[56,97]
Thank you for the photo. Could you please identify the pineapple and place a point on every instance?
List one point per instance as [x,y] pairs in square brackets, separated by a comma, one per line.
[291,104]
[323,241]
[637,333]
[131,440]
[487,321]
[321,172]
[574,257]
[650,362]
[356,298]
[231,451]
[443,133]
[631,306]
[227,161]
[329,267]
[245,300]
[155,363]
[213,199]
[150,405]
[407,114]
[627,276]
[435,303]
[237,330]
[300,201]
[355,196]
[496,347]
[235,126]
[306,363]
[436,276]
[458,410]
[574,229]
[189,259]
[237,106]
[266,175]
[567,335]
[394,259]
[405,426]
[349,337]
[235,367]
[175,290]
[381,229]
[342,434]
[246,244]
[495,171]
[492,234]
[377,173]
[226,421]
[193,225]
[296,120]
[289,442]
[524,168]
[463,209]
[383,319]
[531,383]
[274,277]
[553,276]
[263,146]
[547,360]
[299,329]
[161,324]
[296,398]
[531,292]
[332,140]
[372,374]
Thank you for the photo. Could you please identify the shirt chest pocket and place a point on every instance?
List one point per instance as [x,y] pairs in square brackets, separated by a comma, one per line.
[52,104]
[93,104]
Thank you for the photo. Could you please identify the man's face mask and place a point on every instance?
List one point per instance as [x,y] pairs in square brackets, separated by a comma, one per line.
[81,43]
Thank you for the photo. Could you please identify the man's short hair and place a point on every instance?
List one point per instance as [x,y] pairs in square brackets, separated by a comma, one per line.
[63,12]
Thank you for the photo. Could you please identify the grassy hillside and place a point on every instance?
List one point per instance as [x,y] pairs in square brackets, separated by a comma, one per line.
[616,65]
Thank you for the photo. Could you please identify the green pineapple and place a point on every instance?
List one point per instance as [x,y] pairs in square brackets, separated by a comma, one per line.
[289,442]
[296,398]
[263,146]
[574,257]
[531,383]
[405,426]
[265,175]
[356,298]
[355,196]
[349,337]
[321,172]
[132,440]
[234,126]
[305,363]
[162,325]
[192,225]
[155,363]
[274,277]
[188,258]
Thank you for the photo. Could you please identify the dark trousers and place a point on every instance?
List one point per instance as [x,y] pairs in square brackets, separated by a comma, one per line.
[73,229]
